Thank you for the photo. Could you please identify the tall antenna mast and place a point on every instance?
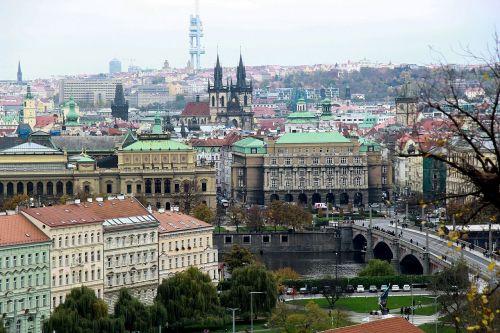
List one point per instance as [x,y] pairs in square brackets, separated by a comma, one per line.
[195,34]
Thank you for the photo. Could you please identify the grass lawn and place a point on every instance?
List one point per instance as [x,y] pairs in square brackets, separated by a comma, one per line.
[241,326]
[431,328]
[366,304]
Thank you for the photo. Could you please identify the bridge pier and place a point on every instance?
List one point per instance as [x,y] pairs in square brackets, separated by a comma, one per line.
[346,238]
[396,259]
[369,245]
[426,263]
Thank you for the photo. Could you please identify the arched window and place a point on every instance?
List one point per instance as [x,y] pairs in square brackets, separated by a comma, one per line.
[59,188]
[20,188]
[245,100]
[10,188]
[39,188]
[29,188]
[50,188]
[18,326]
[69,188]
[213,100]
[222,101]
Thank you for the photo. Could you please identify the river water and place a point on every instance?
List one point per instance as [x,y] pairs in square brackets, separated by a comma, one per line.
[311,265]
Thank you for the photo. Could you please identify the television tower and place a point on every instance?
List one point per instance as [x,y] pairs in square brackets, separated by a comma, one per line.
[195,34]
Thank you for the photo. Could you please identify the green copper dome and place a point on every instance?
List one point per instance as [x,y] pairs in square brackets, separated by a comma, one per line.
[72,116]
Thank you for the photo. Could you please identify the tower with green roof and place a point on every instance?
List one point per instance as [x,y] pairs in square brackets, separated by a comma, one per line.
[28,113]
[72,116]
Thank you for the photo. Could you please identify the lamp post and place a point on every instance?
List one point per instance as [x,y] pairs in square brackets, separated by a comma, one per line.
[436,309]
[233,310]
[251,307]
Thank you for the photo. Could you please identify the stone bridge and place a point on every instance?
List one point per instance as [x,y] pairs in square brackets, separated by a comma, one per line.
[406,257]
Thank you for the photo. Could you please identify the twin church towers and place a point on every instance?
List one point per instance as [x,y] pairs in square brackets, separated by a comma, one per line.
[229,103]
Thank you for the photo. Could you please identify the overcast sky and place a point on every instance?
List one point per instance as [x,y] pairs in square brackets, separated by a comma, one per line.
[53,37]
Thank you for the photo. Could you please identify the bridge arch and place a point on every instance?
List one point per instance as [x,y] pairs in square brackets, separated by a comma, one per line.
[410,264]
[382,251]
[359,242]
[288,197]
[274,197]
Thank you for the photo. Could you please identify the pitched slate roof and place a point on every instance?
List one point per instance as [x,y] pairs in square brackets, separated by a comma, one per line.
[156,145]
[17,230]
[312,137]
[196,109]
[75,144]
[390,325]
[176,221]
[30,148]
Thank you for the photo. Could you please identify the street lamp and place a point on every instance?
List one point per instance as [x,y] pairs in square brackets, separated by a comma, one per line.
[233,310]
[251,307]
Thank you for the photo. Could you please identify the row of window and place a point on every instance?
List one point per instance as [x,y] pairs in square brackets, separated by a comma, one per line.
[156,185]
[317,160]
[23,260]
[119,279]
[136,239]
[130,259]
[185,261]
[316,150]
[75,277]
[76,259]
[31,302]
[24,281]
[316,171]
[74,240]
[357,181]
[184,244]
[247,239]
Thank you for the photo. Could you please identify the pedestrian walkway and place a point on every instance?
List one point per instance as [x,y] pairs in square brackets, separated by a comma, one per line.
[417,320]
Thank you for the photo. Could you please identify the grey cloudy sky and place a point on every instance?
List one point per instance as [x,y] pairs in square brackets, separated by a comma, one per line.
[53,37]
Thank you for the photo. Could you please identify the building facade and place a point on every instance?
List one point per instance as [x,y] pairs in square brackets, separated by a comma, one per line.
[185,241]
[91,91]
[76,250]
[24,275]
[130,251]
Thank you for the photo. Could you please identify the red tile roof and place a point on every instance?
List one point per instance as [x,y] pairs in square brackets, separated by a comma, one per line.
[86,212]
[390,325]
[42,121]
[17,229]
[177,221]
[196,109]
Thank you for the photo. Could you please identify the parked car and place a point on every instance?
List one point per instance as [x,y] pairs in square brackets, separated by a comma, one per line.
[395,288]
[383,287]
[314,290]
[349,288]
[338,289]
[289,291]
[372,289]
[360,288]
[303,290]
[406,287]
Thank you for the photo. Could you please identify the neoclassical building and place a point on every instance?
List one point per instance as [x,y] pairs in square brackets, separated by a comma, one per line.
[308,168]
[24,275]
[151,166]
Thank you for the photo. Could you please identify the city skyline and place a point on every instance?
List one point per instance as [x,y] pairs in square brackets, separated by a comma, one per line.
[78,39]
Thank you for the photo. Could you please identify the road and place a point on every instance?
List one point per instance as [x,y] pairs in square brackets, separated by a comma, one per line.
[475,259]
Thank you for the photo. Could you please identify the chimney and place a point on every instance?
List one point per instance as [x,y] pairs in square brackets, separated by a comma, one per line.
[150,210]
[99,199]
[197,98]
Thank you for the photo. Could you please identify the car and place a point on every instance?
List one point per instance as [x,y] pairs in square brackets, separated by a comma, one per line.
[303,290]
[395,288]
[224,203]
[338,289]
[360,288]
[349,288]
[372,289]
[406,287]
[289,291]
[314,290]
[383,287]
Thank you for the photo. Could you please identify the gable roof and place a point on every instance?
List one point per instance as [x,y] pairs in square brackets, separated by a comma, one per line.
[196,109]
[312,137]
[249,143]
[17,229]
[176,221]
[390,325]
[156,145]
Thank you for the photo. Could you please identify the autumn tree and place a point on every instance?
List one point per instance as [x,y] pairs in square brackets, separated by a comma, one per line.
[275,214]
[254,218]
[202,212]
[237,216]
[17,200]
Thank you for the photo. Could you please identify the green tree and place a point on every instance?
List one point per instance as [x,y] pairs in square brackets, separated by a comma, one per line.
[132,312]
[202,212]
[250,279]
[82,312]
[312,319]
[377,267]
[190,298]
[238,257]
